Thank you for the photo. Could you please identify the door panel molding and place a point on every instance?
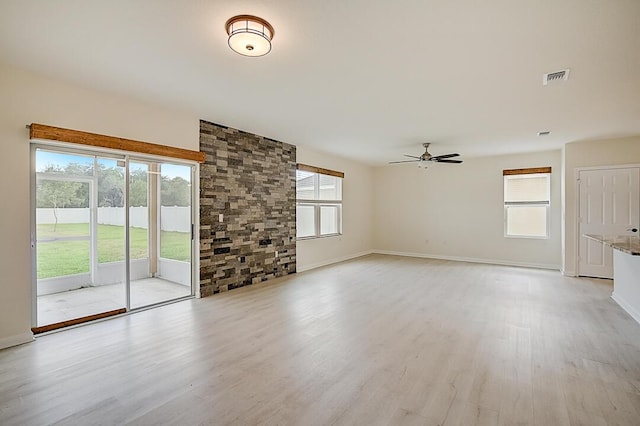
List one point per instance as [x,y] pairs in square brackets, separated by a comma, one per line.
[605,205]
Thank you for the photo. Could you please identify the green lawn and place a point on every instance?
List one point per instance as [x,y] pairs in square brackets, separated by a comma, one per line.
[57,258]
[175,245]
[62,258]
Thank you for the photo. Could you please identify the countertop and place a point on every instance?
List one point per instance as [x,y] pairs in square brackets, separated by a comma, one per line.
[629,244]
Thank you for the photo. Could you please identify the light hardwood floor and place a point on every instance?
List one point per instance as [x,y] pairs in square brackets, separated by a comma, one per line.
[378,340]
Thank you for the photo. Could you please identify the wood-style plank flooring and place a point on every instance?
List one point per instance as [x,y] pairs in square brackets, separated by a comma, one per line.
[374,341]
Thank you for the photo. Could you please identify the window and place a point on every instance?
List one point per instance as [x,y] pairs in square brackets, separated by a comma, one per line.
[527,194]
[318,202]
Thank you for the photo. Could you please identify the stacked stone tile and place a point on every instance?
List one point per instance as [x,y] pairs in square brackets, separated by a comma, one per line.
[251,181]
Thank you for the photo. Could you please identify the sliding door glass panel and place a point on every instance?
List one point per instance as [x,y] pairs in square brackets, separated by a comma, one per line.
[67,285]
[141,269]
[110,272]
[83,225]
[169,236]
[139,216]
[174,262]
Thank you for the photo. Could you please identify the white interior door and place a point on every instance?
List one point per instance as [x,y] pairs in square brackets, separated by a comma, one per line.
[609,205]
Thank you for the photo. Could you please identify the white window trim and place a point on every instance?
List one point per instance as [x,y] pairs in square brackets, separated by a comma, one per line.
[546,203]
[317,205]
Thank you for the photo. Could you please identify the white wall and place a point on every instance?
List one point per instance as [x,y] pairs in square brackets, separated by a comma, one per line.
[357,217]
[27,98]
[608,152]
[456,211]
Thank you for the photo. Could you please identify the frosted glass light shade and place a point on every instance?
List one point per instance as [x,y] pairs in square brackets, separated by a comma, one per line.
[249,35]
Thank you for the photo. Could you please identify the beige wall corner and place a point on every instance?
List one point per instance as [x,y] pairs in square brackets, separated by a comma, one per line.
[453,211]
[606,152]
[357,213]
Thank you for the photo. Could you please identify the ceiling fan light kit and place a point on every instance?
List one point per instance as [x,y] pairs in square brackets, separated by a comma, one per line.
[422,160]
[249,35]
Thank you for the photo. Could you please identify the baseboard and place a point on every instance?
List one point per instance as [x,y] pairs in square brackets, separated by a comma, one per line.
[568,273]
[628,309]
[18,339]
[471,259]
[332,261]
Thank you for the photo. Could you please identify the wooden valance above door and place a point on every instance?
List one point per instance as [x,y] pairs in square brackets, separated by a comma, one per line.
[58,134]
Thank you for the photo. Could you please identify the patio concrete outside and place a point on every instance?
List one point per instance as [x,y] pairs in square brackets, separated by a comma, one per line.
[67,305]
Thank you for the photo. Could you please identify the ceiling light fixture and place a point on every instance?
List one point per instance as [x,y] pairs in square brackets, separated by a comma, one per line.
[249,35]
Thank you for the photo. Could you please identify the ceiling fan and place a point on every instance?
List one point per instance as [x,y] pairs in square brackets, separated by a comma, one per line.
[428,157]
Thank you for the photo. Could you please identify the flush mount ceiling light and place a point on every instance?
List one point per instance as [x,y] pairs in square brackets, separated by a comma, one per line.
[249,35]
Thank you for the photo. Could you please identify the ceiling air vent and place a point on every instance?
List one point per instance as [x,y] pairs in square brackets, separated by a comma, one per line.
[553,77]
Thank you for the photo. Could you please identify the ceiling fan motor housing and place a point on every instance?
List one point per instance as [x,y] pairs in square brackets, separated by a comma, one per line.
[426,156]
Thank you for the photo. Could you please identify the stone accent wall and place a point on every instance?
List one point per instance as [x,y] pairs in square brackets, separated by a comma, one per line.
[251,181]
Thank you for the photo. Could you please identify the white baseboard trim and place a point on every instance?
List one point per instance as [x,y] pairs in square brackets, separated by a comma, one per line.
[471,259]
[18,339]
[628,308]
[334,260]
[568,273]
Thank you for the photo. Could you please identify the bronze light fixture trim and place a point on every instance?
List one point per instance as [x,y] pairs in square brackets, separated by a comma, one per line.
[249,35]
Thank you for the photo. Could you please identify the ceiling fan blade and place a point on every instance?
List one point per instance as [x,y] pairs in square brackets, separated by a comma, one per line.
[448,161]
[406,161]
[437,157]
[412,156]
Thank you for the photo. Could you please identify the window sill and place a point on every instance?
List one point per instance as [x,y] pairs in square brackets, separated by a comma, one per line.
[525,237]
[316,237]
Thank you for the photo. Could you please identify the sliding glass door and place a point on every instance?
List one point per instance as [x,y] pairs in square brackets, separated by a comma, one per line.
[160,224]
[111,234]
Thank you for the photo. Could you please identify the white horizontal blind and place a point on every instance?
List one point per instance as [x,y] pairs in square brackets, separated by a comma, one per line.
[329,187]
[526,188]
[305,185]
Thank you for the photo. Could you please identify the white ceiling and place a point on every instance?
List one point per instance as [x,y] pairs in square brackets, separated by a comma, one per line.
[365,79]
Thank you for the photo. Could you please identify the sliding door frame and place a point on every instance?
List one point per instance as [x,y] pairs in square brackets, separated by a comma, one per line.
[127,156]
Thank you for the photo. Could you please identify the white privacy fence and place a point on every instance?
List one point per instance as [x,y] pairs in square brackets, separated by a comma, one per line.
[171,218]
[138,216]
